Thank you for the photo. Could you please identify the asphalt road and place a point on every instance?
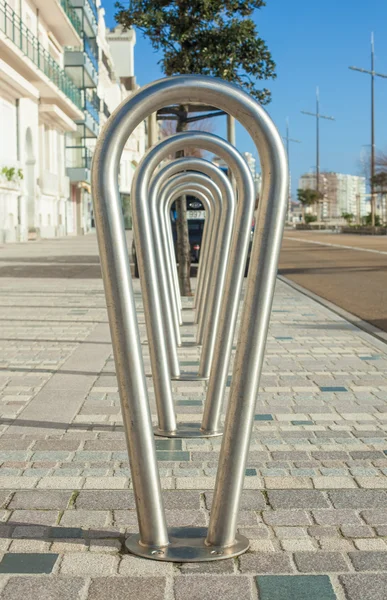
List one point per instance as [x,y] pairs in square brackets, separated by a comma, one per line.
[351,272]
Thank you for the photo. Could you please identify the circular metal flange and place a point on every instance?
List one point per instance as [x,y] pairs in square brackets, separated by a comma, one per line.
[187,544]
[189,377]
[187,430]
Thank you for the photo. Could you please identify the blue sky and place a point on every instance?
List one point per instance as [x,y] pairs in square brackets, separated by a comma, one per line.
[313,44]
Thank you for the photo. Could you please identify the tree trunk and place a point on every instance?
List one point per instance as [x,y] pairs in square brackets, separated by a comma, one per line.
[183,245]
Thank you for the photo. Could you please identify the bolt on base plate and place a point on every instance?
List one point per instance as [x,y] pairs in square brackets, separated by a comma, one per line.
[187,430]
[187,544]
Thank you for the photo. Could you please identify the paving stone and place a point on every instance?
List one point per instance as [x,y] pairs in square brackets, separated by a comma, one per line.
[47,588]
[319,532]
[290,532]
[141,567]
[375,517]
[250,500]
[370,544]
[369,561]
[192,587]
[47,500]
[86,518]
[56,445]
[358,499]
[357,531]
[306,499]
[36,517]
[298,587]
[29,546]
[336,517]
[28,563]
[320,562]
[286,517]
[365,586]
[265,563]
[105,500]
[88,565]
[117,588]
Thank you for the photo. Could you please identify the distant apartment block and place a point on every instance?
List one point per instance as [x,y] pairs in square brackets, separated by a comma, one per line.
[342,193]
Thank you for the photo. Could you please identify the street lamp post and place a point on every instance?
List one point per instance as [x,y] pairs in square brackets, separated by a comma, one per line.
[317,116]
[373,74]
[288,139]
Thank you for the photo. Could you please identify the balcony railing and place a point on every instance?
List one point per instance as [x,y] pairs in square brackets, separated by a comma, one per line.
[91,51]
[72,15]
[78,157]
[93,8]
[24,39]
[92,110]
[105,110]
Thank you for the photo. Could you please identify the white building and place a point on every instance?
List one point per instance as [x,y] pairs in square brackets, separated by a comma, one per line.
[55,66]
[249,158]
[342,193]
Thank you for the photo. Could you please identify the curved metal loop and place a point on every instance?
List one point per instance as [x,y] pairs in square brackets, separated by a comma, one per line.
[153,538]
[213,204]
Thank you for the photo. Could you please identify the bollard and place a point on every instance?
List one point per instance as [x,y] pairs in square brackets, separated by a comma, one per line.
[221,540]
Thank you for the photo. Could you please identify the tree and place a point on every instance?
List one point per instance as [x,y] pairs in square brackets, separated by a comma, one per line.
[349,217]
[208,37]
[307,198]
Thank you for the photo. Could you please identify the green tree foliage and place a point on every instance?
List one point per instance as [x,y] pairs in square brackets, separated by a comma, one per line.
[349,217]
[208,37]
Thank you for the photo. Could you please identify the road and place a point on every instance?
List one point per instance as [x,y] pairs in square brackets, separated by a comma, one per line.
[348,270]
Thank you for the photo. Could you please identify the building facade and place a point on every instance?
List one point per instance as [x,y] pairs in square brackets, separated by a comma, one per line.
[342,194]
[58,85]
[249,158]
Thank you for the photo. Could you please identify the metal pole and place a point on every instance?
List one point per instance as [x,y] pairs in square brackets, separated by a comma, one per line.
[373,216]
[152,130]
[188,545]
[317,141]
[231,130]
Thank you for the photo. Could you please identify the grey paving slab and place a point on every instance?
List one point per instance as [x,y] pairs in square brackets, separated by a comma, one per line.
[191,587]
[47,588]
[365,586]
[103,588]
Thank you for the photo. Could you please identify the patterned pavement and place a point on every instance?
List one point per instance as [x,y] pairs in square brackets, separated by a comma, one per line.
[315,499]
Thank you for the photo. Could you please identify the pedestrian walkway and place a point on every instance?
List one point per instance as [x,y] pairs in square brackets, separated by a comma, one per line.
[315,498]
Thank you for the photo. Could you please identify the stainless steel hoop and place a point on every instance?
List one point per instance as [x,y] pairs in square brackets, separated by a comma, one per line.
[221,539]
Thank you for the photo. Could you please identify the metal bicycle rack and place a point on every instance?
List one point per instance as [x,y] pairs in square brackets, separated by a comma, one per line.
[220,540]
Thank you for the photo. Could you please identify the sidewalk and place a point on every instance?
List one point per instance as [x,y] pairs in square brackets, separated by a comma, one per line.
[315,499]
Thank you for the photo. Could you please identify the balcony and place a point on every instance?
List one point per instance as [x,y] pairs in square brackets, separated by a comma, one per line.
[78,162]
[85,77]
[90,10]
[62,20]
[91,49]
[18,42]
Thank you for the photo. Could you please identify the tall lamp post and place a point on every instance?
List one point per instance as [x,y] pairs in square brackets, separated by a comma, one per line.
[288,140]
[317,116]
[373,74]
